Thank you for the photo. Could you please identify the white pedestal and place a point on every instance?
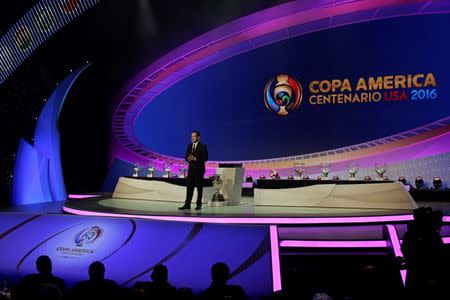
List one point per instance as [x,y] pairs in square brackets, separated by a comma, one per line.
[232,179]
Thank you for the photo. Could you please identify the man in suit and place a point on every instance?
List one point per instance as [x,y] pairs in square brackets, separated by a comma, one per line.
[196,156]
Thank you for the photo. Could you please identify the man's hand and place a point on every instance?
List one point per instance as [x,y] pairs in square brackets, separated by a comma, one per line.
[191,158]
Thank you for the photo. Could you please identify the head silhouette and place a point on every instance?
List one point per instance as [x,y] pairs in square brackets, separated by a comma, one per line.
[220,273]
[160,274]
[97,271]
[44,265]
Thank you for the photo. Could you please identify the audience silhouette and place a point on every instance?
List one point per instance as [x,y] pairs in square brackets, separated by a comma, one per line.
[42,285]
[158,288]
[219,289]
[97,287]
[426,260]
[425,255]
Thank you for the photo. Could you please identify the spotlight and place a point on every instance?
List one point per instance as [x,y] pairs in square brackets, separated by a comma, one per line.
[306,177]
[402,179]
[335,177]
[249,179]
[437,183]
[419,183]
[385,178]
[262,177]
[290,177]
[319,177]
[367,177]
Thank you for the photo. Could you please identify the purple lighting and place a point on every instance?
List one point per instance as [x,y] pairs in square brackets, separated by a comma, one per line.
[275,257]
[76,196]
[265,27]
[332,244]
[245,220]
[396,247]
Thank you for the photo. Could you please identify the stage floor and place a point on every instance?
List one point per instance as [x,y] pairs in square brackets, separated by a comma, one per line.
[153,209]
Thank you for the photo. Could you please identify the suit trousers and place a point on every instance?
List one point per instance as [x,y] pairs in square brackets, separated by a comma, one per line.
[194,180]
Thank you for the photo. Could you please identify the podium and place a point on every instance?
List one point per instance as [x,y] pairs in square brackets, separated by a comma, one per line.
[232,178]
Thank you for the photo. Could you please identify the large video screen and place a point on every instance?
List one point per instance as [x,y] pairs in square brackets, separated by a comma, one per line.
[324,90]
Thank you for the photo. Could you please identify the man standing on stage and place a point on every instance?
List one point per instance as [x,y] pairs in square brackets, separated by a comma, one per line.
[196,156]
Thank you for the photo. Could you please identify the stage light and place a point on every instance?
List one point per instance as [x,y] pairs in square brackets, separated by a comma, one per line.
[402,179]
[290,177]
[335,177]
[262,177]
[249,179]
[385,178]
[367,177]
[319,177]
[419,183]
[306,177]
[437,183]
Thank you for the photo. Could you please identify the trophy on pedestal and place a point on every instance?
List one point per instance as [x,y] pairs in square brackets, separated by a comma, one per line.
[325,170]
[380,169]
[183,171]
[217,199]
[299,168]
[274,174]
[352,170]
[136,170]
[150,170]
[167,168]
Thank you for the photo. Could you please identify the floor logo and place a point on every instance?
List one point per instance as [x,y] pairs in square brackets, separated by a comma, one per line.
[87,236]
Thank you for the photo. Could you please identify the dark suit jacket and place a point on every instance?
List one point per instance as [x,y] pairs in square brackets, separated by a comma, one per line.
[197,168]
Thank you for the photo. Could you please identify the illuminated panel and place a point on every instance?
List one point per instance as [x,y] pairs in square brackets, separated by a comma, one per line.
[43,20]
[262,28]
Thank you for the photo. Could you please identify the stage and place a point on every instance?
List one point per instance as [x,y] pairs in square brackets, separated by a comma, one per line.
[273,201]
[118,207]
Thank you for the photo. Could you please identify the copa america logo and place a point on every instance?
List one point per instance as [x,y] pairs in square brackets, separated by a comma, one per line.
[283,94]
[87,236]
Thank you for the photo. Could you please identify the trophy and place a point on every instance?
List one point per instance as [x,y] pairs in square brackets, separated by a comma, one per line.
[325,170]
[299,168]
[167,168]
[183,170]
[136,170]
[352,169]
[150,171]
[380,169]
[217,185]
[274,174]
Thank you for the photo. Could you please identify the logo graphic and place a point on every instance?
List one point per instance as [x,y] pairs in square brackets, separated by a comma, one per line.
[283,94]
[23,38]
[44,19]
[5,59]
[69,6]
[88,236]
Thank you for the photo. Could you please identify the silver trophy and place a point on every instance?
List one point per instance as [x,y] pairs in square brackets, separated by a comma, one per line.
[183,171]
[325,170]
[167,168]
[352,170]
[150,171]
[380,169]
[136,170]
[299,168]
[217,185]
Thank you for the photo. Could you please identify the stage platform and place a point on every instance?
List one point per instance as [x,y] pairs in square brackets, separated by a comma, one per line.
[244,213]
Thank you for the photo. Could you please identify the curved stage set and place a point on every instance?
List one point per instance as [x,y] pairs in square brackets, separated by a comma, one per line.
[319,83]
